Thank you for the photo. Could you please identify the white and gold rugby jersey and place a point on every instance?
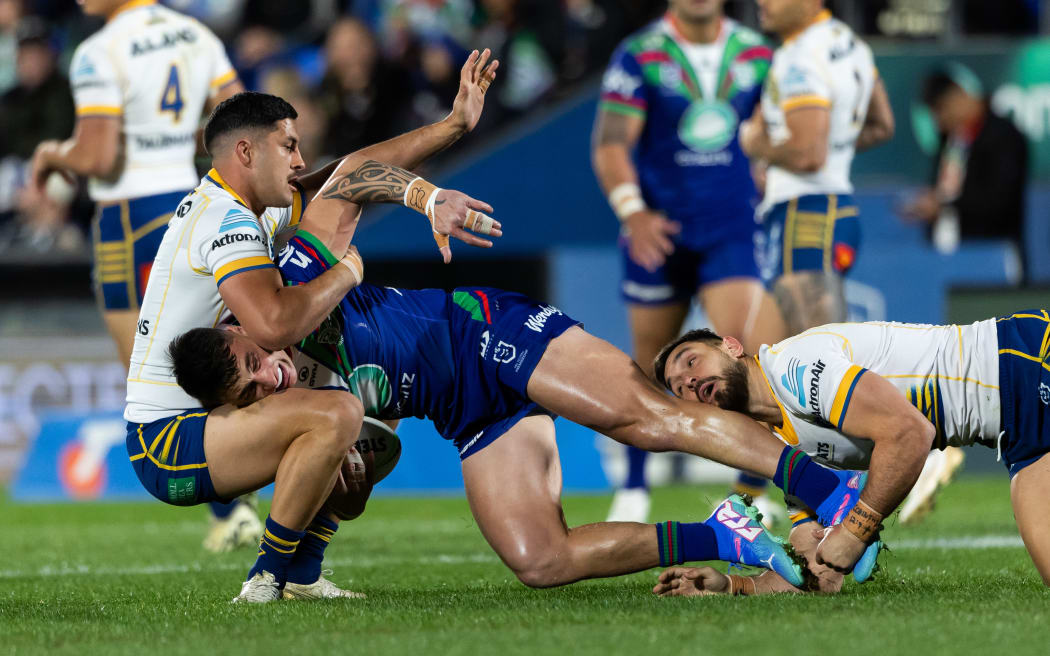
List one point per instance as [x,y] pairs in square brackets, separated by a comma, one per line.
[950,373]
[211,237]
[155,69]
[825,65]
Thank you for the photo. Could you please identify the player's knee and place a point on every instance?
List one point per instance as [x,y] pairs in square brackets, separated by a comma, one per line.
[337,416]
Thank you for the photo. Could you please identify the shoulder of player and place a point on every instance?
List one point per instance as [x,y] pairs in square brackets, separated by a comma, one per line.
[746,36]
[649,37]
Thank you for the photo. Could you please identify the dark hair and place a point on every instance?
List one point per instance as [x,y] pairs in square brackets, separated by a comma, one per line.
[936,86]
[203,364]
[248,110]
[699,335]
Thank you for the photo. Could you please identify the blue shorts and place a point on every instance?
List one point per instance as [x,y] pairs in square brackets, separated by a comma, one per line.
[810,233]
[1024,387]
[687,270]
[168,457]
[126,236]
[496,353]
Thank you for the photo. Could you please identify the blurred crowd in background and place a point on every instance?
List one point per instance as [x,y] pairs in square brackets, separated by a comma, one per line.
[360,71]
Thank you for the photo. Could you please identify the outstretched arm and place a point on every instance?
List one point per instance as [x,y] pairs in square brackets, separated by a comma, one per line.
[411,149]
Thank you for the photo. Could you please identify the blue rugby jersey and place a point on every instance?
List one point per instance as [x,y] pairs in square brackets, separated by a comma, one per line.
[689,160]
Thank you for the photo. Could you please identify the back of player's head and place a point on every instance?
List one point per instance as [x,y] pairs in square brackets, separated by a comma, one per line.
[203,365]
[702,335]
[248,110]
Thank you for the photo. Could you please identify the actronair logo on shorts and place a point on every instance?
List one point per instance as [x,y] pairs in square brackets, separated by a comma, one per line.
[538,320]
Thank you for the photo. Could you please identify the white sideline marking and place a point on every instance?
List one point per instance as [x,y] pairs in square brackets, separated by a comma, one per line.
[965,542]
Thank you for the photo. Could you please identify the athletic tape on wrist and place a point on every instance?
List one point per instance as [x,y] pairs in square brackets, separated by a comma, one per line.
[420,195]
[626,199]
[864,522]
[356,265]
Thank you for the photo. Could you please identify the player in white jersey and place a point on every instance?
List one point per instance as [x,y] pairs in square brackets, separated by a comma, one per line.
[822,100]
[879,396]
[216,260]
[141,84]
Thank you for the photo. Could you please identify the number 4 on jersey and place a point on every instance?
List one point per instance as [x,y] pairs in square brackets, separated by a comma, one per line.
[171,99]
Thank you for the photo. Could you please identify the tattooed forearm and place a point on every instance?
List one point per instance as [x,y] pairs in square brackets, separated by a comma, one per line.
[613,129]
[371,182]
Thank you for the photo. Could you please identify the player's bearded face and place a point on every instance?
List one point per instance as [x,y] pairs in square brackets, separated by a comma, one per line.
[733,394]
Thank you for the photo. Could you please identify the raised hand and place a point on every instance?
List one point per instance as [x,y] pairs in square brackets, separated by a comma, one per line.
[474,80]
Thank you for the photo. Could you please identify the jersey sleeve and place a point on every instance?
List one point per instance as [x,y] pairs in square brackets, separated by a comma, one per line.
[801,83]
[222,71]
[97,89]
[813,376]
[623,86]
[304,258]
[237,245]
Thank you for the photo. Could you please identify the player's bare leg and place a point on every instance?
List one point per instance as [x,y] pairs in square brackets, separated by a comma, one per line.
[810,298]
[122,325]
[742,307]
[297,439]
[589,381]
[1029,491]
[518,509]
[652,326]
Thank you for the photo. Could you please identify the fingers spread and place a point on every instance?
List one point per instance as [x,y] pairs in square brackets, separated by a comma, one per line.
[479,205]
[468,66]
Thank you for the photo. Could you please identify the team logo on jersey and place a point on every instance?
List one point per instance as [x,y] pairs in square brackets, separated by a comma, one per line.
[84,68]
[707,126]
[1044,394]
[792,380]
[670,75]
[617,80]
[369,383]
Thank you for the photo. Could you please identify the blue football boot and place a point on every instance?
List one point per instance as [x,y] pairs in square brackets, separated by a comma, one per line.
[837,506]
[741,535]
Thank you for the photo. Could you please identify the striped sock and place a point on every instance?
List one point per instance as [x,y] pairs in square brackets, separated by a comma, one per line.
[681,543]
[276,549]
[799,476]
[306,564]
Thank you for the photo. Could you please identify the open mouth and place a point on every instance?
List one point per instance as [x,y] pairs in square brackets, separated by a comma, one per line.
[706,392]
[284,380]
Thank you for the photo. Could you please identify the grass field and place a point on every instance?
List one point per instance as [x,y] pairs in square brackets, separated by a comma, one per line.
[131,578]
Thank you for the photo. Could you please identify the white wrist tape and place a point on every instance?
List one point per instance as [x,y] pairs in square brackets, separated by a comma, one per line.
[356,265]
[626,199]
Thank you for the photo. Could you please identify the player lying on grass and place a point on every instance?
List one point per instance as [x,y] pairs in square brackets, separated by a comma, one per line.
[491,368]
[880,396]
[216,259]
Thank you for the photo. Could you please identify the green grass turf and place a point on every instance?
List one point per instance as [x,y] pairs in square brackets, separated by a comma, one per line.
[131,579]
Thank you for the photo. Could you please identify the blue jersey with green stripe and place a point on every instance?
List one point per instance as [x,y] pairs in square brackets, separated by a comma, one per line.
[689,161]
[460,359]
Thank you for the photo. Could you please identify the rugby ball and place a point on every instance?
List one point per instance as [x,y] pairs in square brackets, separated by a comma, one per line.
[383,444]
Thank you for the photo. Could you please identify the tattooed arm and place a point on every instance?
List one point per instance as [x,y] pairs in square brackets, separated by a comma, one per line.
[332,215]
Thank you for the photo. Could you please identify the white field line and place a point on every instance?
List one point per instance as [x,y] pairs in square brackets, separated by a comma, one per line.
[974,542]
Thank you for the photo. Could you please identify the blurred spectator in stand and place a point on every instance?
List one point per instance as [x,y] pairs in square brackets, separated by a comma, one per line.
[593,29]
[10,13]
[527,36]
[361,96]
[288,84]
[42,223]
[402,23]
[40,106]
[980,174]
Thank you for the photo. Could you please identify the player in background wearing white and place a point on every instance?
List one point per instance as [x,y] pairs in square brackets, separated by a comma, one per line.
[141,85]
[881,395]
[216,262]
[666,153]
[822,101]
